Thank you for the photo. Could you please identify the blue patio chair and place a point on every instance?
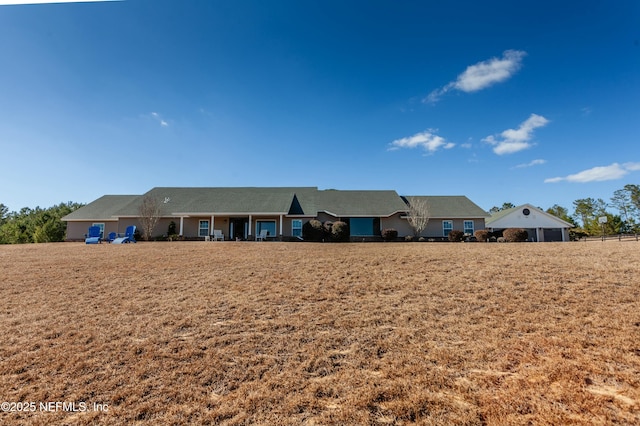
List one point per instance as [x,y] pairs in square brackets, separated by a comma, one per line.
[93,237]
[128,236]
[129,233]
[112,236]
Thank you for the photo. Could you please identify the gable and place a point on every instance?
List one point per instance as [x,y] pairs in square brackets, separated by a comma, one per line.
[516,218]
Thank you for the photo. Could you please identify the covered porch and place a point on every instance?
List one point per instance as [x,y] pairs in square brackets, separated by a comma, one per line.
[235,227]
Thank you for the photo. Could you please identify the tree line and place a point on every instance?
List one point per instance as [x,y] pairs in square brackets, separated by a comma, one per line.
[35,225]
[587,212]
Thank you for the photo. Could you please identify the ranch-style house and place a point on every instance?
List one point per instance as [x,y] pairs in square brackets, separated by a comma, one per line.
[243,213]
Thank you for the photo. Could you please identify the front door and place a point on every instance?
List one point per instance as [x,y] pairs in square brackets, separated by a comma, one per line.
[238,228]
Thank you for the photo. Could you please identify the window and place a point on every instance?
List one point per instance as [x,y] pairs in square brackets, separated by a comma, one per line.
[296,228]
[447,226]
[101,226]
[203,228]
[362,226]
[269,225]
[468,227]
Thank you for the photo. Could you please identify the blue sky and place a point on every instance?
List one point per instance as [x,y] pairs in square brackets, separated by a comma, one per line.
[501,101]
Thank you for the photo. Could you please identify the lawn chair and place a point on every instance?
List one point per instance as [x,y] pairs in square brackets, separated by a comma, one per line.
[263,234]
[93,237]
[112,236]
[128,236]
[217,235]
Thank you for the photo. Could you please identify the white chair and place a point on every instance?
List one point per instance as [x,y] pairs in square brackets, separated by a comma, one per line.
[262,236]
[217,235]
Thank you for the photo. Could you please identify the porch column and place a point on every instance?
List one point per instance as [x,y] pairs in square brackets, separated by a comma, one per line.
[281,233]
[249,233]
[212,227]
[181,225]
[537,235]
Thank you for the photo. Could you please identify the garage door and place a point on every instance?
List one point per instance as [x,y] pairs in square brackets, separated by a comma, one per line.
[553,234]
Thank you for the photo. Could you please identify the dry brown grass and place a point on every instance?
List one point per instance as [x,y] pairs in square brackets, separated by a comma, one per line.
[277,333]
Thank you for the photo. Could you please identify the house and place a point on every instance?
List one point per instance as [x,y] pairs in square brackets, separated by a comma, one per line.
[540,225]
[244,212]
[448,213]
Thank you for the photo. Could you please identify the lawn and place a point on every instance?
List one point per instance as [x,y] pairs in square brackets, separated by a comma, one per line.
[300,333]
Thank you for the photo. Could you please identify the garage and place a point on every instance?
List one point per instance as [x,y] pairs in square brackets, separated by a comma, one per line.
[540,225]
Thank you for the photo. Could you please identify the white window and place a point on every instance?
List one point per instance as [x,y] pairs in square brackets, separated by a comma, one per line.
[203,228]
[101,226]
[296,228]
[447,226]
[269,225]
[468,227]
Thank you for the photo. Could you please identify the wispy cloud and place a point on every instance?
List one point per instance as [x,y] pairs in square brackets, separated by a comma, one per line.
[537,162]
[598,174]
[482,75]
[514,140]
[427,140]
[159,119]
[586,111]
[15,2]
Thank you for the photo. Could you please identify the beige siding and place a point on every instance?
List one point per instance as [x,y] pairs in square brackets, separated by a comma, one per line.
[397,223]
[77,230]
[435,227]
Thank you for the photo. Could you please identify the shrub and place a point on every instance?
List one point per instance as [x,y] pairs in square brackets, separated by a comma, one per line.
[456,236]
[408,238]
[313,230]
[421,239]
[515,235]
[326,227]
[389,234]
[340,231]
[482,235]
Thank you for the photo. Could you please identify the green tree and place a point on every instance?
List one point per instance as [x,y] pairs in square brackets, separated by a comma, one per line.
[627,202]
[561,213]
[4,211]
[36,225]
[505,206]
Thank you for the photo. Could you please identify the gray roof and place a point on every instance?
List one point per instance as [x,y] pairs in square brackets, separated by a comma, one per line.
[302,201]
[103,209]
[203,200]
[360,203]
[451,206]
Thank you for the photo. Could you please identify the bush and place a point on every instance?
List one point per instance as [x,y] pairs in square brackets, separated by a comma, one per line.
[339,231]
[408,238]
[313,230]
[389,234]
[482,235]
[515,235]
[456,236]
[326,227]
[421,239]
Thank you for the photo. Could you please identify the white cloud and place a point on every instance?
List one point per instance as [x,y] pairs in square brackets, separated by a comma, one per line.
[514,140]
[531,164]
[427,140]
[631,166]
[598,174]
[482,75]
[159,119]
[15,2]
